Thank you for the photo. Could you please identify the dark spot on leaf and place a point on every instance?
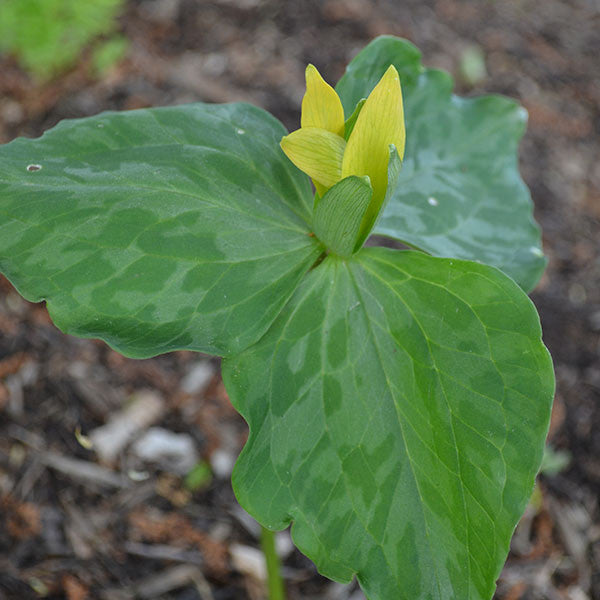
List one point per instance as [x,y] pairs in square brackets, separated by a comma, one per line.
[34,167]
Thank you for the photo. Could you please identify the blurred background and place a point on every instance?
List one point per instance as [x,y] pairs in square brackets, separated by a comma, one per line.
[149,512]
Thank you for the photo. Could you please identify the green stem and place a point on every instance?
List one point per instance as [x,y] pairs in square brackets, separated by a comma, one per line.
[274,580]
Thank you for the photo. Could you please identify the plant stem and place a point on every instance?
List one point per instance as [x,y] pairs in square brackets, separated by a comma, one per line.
[274,580]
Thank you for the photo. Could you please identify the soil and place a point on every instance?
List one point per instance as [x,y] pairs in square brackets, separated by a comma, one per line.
[75,525]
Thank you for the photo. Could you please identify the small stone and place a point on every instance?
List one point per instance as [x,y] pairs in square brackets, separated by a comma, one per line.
[198,377]
[222,463]
[174,452]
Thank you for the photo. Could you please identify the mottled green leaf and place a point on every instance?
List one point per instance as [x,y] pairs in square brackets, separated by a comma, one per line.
[459,193]
[158,229]
[397,408]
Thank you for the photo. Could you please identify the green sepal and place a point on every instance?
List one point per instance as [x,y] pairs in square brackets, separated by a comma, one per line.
[339,214]
[351,120]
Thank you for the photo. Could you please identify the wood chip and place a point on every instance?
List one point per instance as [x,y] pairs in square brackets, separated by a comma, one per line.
[84,471]
[109,440]
[164,552]
[74,589]
[249,561]
[199,375]
[167,580]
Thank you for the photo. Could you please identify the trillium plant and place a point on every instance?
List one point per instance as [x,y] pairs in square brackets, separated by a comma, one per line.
[397,399]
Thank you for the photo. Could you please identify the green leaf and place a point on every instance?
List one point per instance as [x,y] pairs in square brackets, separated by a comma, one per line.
[107,54]
[199,477]
[158,229]
[554,461]
[472,65]
[459,193]
[397,409]
[339,213]
[48,36]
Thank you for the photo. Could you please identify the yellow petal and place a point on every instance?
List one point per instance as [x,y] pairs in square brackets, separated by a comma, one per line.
[317,152]
[379,124]
[321,106]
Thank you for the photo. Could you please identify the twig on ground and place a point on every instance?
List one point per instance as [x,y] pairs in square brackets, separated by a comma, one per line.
[84,471]
[163,552]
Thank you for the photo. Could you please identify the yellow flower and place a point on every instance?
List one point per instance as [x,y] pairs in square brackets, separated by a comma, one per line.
[320,149]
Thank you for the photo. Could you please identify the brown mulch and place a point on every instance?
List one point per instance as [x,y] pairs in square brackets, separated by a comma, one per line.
[73,527]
